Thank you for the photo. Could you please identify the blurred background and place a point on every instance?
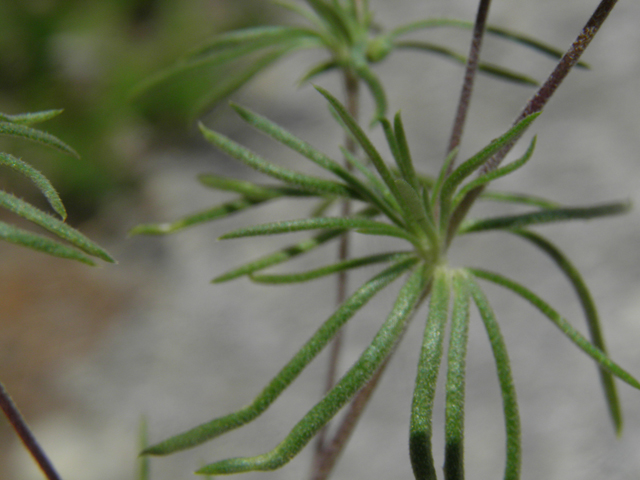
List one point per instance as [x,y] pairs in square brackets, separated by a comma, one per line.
[86,353]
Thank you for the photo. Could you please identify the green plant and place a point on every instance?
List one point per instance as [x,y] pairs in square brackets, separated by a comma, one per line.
[77,247]
[427,213]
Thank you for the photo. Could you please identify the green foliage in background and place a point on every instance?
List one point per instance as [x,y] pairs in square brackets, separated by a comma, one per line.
[87,56]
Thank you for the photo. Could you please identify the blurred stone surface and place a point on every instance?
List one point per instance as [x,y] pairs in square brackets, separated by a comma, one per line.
[188,351]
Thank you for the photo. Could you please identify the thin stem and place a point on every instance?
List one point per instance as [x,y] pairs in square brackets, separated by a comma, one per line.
[28,439]
[352,93]
[564,66]
[469,78]
[537,103]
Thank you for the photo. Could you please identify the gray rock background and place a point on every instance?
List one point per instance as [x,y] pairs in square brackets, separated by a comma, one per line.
[186,351]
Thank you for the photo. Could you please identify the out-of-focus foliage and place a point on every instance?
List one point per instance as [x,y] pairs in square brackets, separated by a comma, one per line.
[86,57]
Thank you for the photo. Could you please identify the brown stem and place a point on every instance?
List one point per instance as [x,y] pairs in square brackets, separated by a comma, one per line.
[24,433]
[538,101]
[469,77]
[352,88]
[564,66]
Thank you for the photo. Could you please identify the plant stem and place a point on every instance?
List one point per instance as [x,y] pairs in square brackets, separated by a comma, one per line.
[564,66]
[538,101]
[469,78]
[319,462]
[20,426]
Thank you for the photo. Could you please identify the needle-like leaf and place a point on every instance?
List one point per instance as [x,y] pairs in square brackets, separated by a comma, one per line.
[420,432]
[303,148]
[300,180]
[40,243]
[487,68]
[576,337]
[363,140]
[30,118]
[591,315]
[495,174]
[366,366]
[281,256]
[34,135]
[331,269]
[543,216]
[519,198]
[456,370]
[476,161]
[509,400]
[55,226]
[523,39]
[40,181]
[352,223]
[289,372]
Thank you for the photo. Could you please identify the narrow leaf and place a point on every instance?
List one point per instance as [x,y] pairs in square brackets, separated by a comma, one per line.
[509,400]
[487,68]
[316,156]
[591,315]
[30,118]
[55,226]
[34,135]
[289,372]
[376,89]
[281,256]
[259,37]
[208,215]
[317,70]
[40,181]
[331,269]
[576,337]
[495,174]
[382,191]
[362,139]
[476,161]
[42,244]
[456,370]
[289,226]
[543,216]
[406,168]
[306,182]
[523,39]
[420,430]
[373,357]
[519,198]
[417,219]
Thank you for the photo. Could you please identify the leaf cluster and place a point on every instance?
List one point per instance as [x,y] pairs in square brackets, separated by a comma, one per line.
[346,31]
[81,248]
[395,200]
